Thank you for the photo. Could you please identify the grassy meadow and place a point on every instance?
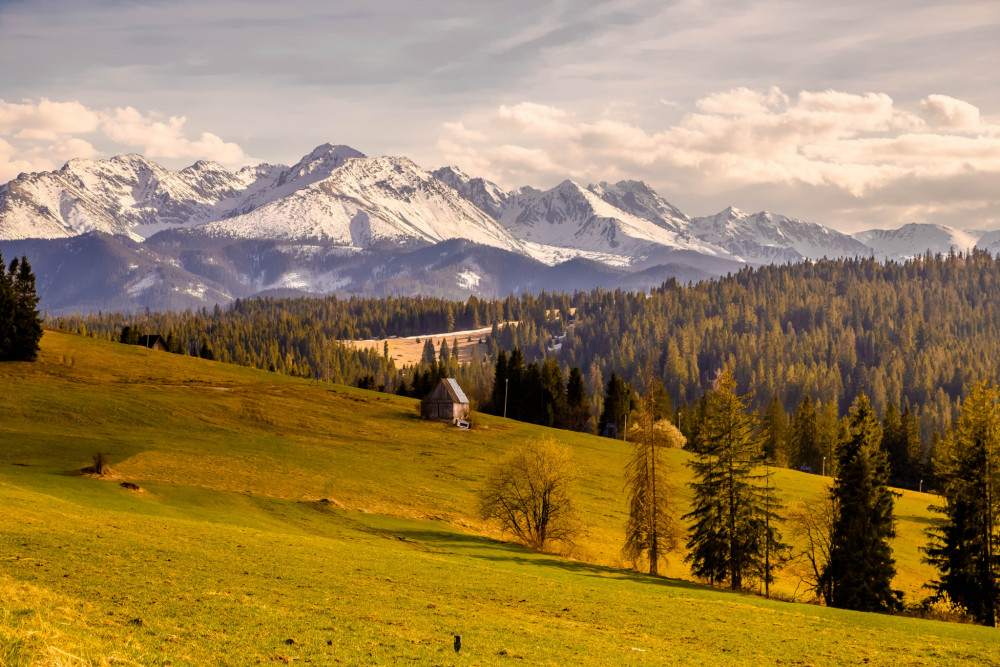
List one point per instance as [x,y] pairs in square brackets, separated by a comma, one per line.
[280,520]
[410,349]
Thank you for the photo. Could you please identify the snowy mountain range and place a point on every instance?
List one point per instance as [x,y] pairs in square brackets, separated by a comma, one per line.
[338,221]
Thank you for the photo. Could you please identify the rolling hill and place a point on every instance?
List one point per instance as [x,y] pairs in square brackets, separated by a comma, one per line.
[277,519]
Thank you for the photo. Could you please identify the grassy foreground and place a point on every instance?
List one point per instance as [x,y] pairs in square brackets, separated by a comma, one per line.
[283,521]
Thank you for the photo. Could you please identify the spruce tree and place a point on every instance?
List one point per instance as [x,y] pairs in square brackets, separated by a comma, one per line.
[6,312]
[20,323]
[805,437]
[499,395]
[733,535]
[577,402]
[553,393]
[896,445]
[831,430]
[428,356]
[775,430]
[861,567]
[516,373]
[618,403]
[964,549]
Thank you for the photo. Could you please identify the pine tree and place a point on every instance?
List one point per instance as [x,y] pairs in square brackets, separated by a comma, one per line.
[444,352]
[205,350]
[516,372]
[896,445]
[7,336]
[650,530]
[805,436]
[831,430]
[619,399]
[733,533]
[775,429]
[553,393]
[428,356]
[577,403]
[964,549]
[20,324]
[498,397]
[909,427]
[860,570]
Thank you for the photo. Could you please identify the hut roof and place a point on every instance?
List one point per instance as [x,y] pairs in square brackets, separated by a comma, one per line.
[151,340]
[456,392]
[447,390]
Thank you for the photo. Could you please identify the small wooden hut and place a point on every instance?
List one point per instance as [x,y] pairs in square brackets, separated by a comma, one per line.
[446,402]
[154,342]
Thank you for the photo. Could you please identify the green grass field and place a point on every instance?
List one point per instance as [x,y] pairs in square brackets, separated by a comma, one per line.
[285,521]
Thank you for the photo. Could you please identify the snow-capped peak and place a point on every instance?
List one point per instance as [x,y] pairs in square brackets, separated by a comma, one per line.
[488,196]
[571,216]
[638,199]
[915,238]
[367,202]
[757,236]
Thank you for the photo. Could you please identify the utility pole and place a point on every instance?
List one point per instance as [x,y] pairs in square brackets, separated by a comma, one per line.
[506,382]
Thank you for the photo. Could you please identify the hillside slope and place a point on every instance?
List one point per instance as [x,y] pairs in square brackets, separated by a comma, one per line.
[279,518]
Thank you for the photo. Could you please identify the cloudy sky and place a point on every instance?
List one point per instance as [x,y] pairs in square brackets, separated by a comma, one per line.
[855,113]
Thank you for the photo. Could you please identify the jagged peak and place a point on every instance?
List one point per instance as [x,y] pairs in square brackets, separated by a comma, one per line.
[452,170]
[206,165]
[342,151]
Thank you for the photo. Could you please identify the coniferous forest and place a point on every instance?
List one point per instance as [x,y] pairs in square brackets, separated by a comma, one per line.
[804,340]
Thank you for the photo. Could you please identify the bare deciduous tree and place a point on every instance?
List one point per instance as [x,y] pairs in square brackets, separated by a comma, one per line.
[812,524]
[530,494]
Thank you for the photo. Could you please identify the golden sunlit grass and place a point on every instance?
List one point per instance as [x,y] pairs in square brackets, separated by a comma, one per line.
[281,520]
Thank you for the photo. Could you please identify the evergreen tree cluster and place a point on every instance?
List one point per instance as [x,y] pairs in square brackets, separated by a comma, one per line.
[538,392]
[734,525]
[20,324]
[964,548]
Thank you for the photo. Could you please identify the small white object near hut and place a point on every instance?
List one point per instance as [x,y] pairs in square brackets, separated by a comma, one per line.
[446,402]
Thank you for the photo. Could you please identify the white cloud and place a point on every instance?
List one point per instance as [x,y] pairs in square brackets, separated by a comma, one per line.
[459,131]
[950,113]
[45,134]
[46,118]
[742,102]
[855,147]
[11,164]
[164,138]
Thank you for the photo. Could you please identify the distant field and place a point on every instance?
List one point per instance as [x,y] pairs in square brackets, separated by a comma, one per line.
[281,520]
[410,350]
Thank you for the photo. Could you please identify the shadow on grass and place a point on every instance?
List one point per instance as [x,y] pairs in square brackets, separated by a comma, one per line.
[485,548]
[927,520]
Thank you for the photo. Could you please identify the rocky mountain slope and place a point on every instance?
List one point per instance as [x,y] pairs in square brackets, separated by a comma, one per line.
[766,238]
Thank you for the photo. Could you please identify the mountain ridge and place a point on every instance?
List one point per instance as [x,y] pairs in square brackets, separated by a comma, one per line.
[340,221]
